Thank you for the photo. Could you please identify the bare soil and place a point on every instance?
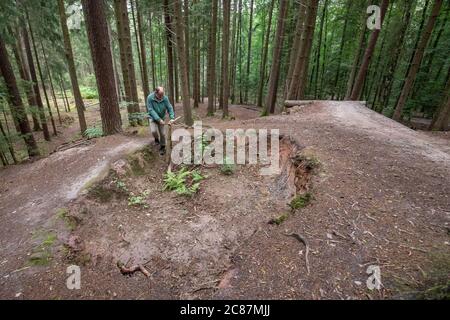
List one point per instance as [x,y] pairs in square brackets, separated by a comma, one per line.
[380,196]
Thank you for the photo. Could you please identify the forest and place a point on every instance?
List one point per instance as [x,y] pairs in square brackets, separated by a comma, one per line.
[360,91]
[245,52]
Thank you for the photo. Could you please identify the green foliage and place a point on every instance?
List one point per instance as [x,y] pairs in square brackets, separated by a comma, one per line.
[278,221]
[183,182]
[301,201]
[42,254]
[93,132]
[88,93]
[138,200]
[227,168]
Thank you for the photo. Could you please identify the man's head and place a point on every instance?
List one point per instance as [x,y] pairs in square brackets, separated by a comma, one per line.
[159,92]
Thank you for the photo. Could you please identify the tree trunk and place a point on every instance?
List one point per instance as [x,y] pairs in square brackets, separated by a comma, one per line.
[17,109]
[71,67]
[441,119]
[341,49]
[297,87]
[225,54]
[319,48]
[152,50]
[50,79]
[143,52]
[41,75]
[249,49]
[179,23]
[276,55]
[126,58]
[186,39]
[24,72]
[417,60]
[97,30]
[196,65]
[36,91]
[169,48]
[212,59]
[262,71]
[361,78]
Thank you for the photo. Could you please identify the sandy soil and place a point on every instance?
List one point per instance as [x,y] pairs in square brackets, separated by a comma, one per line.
[381,197]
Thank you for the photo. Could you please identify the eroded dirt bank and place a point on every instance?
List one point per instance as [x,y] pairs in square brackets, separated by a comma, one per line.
[379,195]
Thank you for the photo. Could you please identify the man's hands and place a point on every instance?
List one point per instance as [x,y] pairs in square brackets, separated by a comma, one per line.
[171,122]
[161,121]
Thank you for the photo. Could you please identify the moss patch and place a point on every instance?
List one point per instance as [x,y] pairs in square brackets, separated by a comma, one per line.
[301,201]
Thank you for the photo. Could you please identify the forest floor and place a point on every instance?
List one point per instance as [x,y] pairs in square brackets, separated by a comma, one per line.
[380,196]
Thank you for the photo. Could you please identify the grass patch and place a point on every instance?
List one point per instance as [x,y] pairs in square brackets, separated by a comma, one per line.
[88,93]
[42,255]
[63,214]
[101,193]
[138,200]
[301,201]
[227,168]
[278,221]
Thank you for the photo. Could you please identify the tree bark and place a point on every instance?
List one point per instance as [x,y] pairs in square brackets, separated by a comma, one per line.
[441,119]
[276,55]
[50,79]
[249,49]
[79,104]
[36,91]
[417,60]
[143,52]
[17,109]
[179,23]
[225,56]
[212,59]
[360,79]
[41,75]
[97,30]
[169,48]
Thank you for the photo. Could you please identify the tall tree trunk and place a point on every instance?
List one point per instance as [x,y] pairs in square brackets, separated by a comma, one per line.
[169,46]
[361,78]
[212,59]
[36,91]
[297,87]
[179,23]
[249,49]
[341,49]
[126,58]
[196,65]
[152,50]
[276,55]
[319,48]
[71,66]
[10,146]
[50,80]
[262,71]
[441,119]
[296,46]
[236,48]
[187,39]
[136,38]
[97,30]
[143,52]
[417,60]
[17,109]
[24,72]
[41,75]
[225,56]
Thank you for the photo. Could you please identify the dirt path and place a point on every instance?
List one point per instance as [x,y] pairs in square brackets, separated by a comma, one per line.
[381,197]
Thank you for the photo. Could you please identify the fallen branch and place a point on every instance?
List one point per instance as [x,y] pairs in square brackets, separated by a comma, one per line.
[302,240]
[130,270]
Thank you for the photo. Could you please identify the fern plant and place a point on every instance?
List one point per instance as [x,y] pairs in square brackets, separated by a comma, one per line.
[183,182]
[93,132]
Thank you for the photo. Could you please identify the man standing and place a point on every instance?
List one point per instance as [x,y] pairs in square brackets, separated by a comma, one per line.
[157,106]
